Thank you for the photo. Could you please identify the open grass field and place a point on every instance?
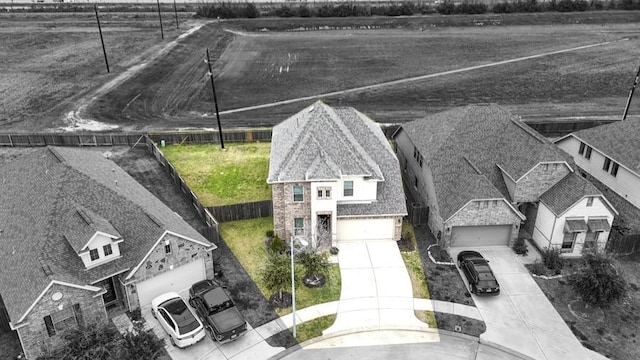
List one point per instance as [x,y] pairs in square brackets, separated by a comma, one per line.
[260,62]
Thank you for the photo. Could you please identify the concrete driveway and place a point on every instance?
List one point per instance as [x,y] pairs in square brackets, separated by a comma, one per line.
[376,290]
[521,317]
[250,346]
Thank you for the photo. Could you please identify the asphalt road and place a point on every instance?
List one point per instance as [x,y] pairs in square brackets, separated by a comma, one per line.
[383,345]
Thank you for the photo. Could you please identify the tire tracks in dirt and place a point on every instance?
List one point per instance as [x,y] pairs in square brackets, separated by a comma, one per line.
[75,120]
[415,78]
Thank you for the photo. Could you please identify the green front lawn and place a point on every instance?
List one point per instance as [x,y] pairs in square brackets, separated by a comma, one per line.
[246,240]
[237,174]
[314,328]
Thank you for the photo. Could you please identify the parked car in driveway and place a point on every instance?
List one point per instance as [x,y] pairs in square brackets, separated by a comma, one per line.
[477,271]
[183,327]
[221,318]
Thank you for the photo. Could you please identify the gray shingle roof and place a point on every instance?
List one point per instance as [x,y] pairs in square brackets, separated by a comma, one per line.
[42,190]
[80,224]
[568,191]
[324,143]
[464,146]
[620,141]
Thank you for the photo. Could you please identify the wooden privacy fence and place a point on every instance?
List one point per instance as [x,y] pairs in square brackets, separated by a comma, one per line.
[74,139]
[243,211]
[206,216]
[211,137]
[623,244]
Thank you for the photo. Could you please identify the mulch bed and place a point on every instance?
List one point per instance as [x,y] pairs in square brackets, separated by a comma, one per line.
[444,281]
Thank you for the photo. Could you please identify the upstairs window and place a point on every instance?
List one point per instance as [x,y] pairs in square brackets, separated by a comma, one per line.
[167,249]
[417,156]
[614,169]
[107,250]
[298,193]
[590,201]
[606,165]
[581,150]
[348,188]
[324,193]
[587,153]
[93,253]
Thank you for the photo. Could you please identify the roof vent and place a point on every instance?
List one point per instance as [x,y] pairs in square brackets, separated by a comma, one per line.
[83,214]
[47,270]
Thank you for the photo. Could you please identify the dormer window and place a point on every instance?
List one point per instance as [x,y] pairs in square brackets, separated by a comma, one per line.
[93,253]
[167,249]
[107,250]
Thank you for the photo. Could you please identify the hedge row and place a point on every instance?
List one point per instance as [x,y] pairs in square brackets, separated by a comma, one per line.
[448,7]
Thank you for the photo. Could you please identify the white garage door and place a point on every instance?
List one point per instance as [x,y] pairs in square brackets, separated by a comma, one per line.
[365,229]
[466,236]
[178,279]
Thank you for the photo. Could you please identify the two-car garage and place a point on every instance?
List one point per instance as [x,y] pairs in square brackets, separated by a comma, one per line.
[178,279]
[365,229]
[471,236]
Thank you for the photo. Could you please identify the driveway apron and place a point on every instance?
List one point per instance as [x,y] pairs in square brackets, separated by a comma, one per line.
[521,317]
[376,288]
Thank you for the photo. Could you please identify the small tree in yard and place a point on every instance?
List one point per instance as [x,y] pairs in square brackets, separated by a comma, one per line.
[276,276]
[599,283]
[315,266]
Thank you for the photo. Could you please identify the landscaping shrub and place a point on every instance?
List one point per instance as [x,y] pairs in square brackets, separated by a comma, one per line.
[599,283]
[520,247]
[103,341]
[277,245]
[552,260]
[315,266]
[537,268]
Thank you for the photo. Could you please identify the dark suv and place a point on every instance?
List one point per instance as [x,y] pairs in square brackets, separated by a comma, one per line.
[478,273]
[221,318]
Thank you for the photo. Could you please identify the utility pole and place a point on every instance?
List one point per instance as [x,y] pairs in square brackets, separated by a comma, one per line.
[633,88]
[160,17]
[175,10]
[95,7]
[215,99]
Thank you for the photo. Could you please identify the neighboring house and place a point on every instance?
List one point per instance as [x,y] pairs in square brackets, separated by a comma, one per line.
[610,154]
[573,215]
[479,169]
[78,236]
[334,177]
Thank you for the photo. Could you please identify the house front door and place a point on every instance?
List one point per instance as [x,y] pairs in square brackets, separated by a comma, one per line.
[324,229]
[110,296]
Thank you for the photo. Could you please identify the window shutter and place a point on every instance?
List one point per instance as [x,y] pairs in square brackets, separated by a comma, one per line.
[51,330]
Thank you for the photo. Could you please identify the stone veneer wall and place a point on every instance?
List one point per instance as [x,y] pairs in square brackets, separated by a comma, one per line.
[472,215]
[285,209]
[182,252]
[34,336]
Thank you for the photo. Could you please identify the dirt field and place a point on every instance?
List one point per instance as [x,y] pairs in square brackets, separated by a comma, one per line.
[267,66]
[50,61]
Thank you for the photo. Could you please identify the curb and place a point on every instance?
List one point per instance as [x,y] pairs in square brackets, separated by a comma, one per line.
[506,349]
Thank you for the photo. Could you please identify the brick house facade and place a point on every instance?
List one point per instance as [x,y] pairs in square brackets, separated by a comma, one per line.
[285,209]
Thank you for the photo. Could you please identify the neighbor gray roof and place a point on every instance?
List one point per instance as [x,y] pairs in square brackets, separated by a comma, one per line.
[42,191]
[567,192]
[324,143]
[620,141]
[464,146]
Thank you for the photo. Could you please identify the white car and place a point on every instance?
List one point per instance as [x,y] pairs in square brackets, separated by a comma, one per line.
[183,327]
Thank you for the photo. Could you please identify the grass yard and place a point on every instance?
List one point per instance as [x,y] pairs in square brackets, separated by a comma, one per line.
[416,273]
[612,332]
[237,174]
[246,240]
[314,328]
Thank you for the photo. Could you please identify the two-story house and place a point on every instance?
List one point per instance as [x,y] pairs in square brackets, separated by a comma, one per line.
[334,177]
[479,169]
[609,156]
[78,236]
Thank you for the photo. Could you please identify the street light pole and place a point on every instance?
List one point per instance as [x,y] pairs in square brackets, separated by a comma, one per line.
[293,281]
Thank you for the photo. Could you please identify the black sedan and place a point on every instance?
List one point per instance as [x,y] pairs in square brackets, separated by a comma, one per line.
[478,273]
